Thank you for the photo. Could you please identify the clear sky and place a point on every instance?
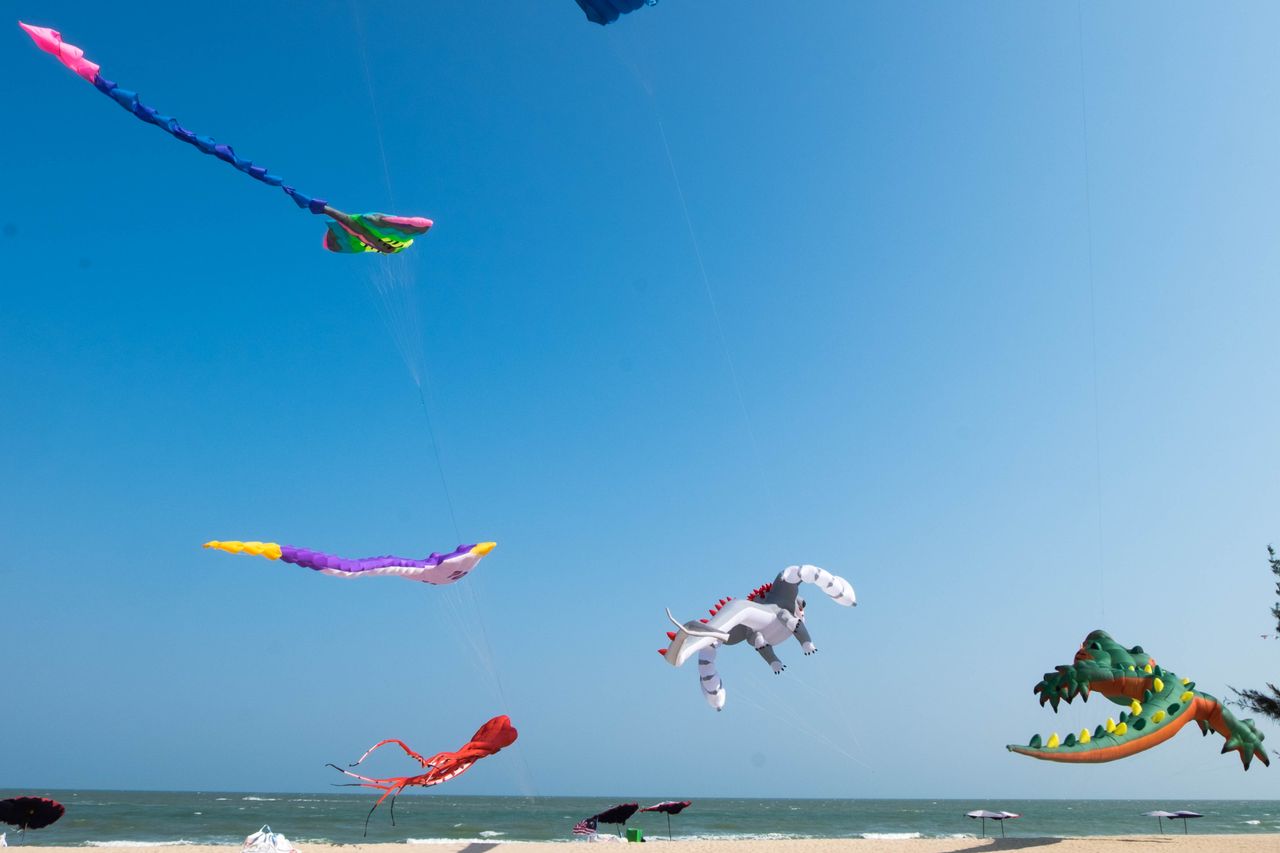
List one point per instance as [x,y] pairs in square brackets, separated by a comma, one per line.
[917,380]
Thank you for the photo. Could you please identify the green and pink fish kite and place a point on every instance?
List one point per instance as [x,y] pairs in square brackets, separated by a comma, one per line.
[348,232]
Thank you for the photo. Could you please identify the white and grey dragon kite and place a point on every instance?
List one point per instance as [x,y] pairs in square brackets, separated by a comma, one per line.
[768,616]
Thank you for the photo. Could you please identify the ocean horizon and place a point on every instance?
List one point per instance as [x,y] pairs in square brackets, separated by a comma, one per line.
[147,818]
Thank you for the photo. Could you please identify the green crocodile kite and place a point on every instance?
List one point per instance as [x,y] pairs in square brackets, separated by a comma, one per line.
[1159,705]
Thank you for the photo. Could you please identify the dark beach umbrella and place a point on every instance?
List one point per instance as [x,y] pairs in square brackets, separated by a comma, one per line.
[984,816]
[30,812]
[669,808]
[1184,816]
[1161,816]
[618,814]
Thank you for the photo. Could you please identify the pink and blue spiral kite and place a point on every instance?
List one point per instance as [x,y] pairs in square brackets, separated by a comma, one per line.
[348,232]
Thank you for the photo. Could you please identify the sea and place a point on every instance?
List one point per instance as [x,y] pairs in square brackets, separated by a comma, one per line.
[143,818]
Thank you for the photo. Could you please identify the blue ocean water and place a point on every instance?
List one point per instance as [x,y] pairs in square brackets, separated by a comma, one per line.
[119,818]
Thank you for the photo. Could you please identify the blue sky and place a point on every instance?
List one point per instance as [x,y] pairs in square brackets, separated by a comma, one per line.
[918,381]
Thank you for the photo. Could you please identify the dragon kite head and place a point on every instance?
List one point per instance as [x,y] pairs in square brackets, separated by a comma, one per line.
[1158,704]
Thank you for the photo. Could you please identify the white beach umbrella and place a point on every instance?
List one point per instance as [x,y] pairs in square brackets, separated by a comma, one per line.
[984,815]
[1160,815]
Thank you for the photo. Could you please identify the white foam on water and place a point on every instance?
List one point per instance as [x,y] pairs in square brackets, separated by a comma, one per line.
[1253,822]
[259,799]
[490,833]
[181,842]
[891,836]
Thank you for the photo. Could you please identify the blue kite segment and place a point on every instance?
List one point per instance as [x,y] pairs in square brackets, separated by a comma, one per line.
[607,11]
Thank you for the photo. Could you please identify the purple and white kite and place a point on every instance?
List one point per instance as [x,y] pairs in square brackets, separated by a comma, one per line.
[438,569]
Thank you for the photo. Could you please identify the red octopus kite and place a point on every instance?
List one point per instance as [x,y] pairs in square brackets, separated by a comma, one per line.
[441,767]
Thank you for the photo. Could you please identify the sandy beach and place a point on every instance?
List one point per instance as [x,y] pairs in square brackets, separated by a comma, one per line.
[1096,844]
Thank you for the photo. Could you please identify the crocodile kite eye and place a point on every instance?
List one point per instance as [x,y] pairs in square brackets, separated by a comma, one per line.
[1097,647]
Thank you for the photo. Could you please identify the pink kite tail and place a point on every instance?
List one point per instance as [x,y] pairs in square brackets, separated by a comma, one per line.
[69,55]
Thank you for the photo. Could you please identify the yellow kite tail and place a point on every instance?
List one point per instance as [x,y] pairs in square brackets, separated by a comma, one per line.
[270,550]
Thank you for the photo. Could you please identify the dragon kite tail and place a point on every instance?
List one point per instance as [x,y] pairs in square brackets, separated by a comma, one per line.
[348,233]
[1158,705]
[837,588]
[709,679]
[698,638]
[270,550]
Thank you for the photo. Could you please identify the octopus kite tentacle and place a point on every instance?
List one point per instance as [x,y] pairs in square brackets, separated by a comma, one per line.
[407,751]
[492,737]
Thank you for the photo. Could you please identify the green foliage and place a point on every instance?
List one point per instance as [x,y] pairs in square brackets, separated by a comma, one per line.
[1265,702]
[1275,570]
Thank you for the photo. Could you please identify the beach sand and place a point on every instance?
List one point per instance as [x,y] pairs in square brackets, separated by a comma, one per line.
[1099,844]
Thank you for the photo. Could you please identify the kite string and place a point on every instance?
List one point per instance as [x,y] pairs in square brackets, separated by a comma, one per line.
[395,289]
[435,449]
[1093,316]
[790,719]
[829,700]
[373,100]
[463,598]
[721,339]
[786,716]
